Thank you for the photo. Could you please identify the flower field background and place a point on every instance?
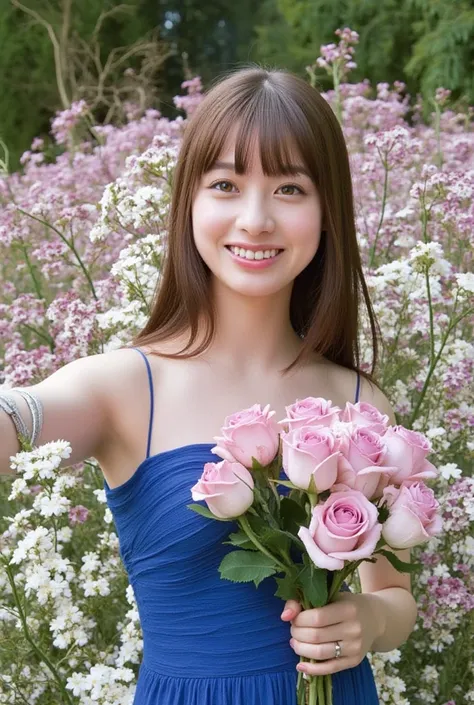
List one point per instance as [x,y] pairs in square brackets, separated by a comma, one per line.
[81,241]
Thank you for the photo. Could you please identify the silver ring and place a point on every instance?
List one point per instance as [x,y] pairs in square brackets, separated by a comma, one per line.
[338,650]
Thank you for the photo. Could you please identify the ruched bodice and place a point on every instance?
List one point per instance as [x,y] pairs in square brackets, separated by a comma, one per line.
[207,641]
[192,619]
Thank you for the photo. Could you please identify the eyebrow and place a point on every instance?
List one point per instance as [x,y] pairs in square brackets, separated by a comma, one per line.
[295,168]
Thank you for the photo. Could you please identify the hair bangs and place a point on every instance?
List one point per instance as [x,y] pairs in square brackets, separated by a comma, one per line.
[268,122]
[274,123]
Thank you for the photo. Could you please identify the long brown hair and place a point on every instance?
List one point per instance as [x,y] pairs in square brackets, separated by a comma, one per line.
[283,110]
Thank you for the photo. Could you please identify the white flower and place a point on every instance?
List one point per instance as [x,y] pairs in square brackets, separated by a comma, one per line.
[429,256]
[465,281]
[100,496]
[450,470]
[77,683]
[51,506]
[18,488]
[37,540]
[91,562]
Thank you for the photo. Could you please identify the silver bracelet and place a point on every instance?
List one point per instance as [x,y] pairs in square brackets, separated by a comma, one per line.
[9,405]
[36,410]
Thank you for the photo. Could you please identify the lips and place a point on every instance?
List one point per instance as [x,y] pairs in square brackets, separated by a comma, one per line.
[263,249]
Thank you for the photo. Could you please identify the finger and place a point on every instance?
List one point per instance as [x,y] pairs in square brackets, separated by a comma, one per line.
[321,652]
[334,613]
[324,668]
[291,609]
[336,632]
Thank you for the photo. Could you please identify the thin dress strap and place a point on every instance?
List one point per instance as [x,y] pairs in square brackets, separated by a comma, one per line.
[357,388]
[150,382]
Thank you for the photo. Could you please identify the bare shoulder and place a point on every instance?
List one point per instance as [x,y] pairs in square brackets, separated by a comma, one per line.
[370,393]
[123,375]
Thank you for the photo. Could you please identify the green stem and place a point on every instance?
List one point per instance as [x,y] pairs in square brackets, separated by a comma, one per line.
[438,133]
[271,519]
[43,657]
[430,310]
[300,688]
[328,688]
[44,336]
[316,691]
[36,283]
[71,247]
[451,326]
[382,213]
[243,521]
[336,81]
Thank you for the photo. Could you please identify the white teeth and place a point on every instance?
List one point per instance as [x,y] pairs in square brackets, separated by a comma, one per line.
[249,254]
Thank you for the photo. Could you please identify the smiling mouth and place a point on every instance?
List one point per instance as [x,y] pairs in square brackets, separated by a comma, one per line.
[277,251]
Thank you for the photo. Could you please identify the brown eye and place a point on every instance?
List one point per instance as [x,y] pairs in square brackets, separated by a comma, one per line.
[293,186]
[218,183]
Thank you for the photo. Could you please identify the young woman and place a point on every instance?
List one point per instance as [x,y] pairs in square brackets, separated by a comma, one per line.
[258,302]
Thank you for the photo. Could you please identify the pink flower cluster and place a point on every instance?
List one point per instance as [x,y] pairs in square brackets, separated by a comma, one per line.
[353,453]
[445,600]
[339,54]
[65,121]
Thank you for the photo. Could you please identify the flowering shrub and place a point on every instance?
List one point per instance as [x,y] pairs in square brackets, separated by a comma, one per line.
[81,241]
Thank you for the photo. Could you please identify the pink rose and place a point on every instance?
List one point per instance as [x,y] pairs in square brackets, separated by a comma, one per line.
[364,414]
[312,411]
[247,433]
[413,515]
[310,451]
[361,464]
[226,487]
[344,528]
[407,450]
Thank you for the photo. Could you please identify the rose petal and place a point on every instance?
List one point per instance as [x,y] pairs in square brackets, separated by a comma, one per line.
[320,559]
[366,548]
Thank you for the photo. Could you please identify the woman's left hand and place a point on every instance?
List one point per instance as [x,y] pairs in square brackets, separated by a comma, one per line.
[351,620]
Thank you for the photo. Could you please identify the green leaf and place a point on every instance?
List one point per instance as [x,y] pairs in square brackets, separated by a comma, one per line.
[287,588]
[241,540]
[383,513]
[246,566]
[314,583]
[256,465]
[205,512]
[400,565]
[292,515]
[257,524]
[312,489]
[275,540]
[285,483]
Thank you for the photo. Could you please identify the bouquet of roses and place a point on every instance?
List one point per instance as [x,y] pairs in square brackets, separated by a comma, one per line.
[356,485]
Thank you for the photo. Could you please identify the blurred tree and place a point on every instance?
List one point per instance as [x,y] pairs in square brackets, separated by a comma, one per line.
[53,53]
[443,54]
[208,38]
[425,43]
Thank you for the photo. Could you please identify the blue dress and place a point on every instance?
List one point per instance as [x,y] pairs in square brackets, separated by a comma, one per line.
[206,641]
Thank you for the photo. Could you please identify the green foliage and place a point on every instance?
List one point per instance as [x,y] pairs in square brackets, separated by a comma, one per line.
[28,93]
[425,43]
[314,583]
[443,54]
[246,566]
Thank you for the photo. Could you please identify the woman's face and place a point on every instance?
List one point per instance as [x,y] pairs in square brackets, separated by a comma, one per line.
[256,212]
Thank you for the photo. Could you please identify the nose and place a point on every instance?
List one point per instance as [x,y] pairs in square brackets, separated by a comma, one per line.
[254,217]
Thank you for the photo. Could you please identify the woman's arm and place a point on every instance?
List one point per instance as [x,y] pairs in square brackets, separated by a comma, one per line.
[387,592]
